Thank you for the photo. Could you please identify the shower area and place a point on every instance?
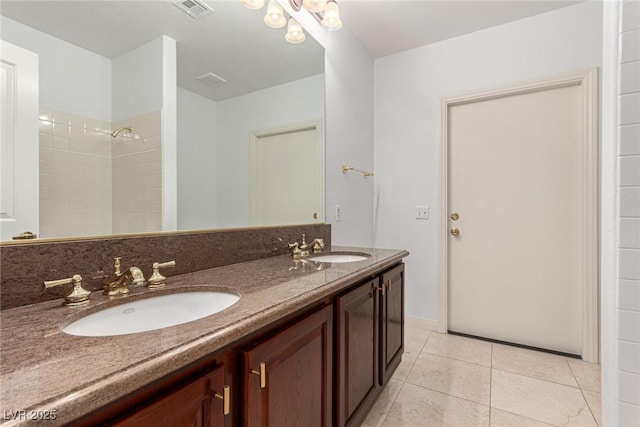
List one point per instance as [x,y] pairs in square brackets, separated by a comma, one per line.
[103,124]
[99,178]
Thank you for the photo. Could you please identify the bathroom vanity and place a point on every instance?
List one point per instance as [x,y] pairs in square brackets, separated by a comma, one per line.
[307,343]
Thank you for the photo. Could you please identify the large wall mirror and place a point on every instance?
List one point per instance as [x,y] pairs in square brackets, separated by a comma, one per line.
[150,119]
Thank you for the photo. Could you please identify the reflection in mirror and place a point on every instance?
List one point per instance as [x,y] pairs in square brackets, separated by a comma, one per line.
[152,120]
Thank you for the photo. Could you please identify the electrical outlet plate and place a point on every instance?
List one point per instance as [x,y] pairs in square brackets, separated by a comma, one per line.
[422,212]
[338,216]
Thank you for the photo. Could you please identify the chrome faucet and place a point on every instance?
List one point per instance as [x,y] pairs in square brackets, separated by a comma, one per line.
[301,250]
[118,282]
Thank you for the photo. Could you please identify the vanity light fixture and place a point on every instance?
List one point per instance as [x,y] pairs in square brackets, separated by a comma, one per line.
[315,6]
[325,10]
[331,20]
[294,32]
[253,4]
[275,16]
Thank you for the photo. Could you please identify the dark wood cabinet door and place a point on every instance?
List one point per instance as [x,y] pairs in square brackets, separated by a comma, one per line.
[288,377]
[391,322]
[192,405]
[357,350]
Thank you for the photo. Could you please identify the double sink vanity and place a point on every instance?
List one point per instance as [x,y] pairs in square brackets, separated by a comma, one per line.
[278,340]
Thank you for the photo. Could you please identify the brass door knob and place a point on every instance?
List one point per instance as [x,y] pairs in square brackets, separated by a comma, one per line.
[455,232]
[26,235]
[454,216]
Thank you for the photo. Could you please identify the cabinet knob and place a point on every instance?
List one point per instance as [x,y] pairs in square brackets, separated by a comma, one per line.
[226,402]
[262,373]
[455,232]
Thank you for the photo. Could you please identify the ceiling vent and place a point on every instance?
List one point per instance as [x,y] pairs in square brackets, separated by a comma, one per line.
[211,79]
[194,8]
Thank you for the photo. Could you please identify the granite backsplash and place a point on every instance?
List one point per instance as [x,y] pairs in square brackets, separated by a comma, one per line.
[24,266]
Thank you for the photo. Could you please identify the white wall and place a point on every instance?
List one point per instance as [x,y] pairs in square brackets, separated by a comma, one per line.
[72,79]
[409,87]
[169,104]
[608,213]
[348,130]
[295,102]
[137,81]
[197,162]
[628,305]
[349,139]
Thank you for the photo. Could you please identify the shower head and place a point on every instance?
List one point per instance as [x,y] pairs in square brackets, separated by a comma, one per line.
[128,130]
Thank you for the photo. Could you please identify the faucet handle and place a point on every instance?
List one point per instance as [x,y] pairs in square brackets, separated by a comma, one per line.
[116,266]
[157,280]
[318,246]
[78,296]
[296,252]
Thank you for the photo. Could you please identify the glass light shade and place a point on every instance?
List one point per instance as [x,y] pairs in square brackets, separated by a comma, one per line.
[331,20]
[275,17]
[315,5]
[253,4]
[294,32]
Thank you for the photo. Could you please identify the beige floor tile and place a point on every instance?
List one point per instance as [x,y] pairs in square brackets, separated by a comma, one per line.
[532,363]
[457,378]
[414,322]
[408,359]
[419,407]
[380,409]
[506,419]
[461,348]
[545,401]
[415,338]
[587,374]
[595,404]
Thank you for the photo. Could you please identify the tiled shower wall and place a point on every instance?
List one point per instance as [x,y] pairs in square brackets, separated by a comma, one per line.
[629,218]
[75,175]
[94,184]
[137,175]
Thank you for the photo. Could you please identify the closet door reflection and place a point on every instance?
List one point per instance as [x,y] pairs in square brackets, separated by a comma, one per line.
[287,176]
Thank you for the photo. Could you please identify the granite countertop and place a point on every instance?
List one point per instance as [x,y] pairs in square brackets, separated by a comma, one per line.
[42,368]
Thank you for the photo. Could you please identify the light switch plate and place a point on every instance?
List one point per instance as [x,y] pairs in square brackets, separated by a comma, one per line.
[422,212]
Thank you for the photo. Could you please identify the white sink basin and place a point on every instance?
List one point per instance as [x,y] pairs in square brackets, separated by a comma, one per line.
[338,257]
[151,313]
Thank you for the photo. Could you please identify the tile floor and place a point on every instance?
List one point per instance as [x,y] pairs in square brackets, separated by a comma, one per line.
[447,380]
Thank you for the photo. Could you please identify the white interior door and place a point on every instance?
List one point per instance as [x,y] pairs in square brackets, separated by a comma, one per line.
[19,145]
[515,181]
[287,176]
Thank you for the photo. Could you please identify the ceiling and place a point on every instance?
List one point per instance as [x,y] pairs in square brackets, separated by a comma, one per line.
[385,27]
[235,44]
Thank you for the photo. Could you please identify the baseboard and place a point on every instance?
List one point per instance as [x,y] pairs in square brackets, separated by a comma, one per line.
[417,322]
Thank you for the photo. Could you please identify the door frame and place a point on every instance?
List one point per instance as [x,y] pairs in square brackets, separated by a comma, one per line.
[587,81]
[296,127]
[25,209]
